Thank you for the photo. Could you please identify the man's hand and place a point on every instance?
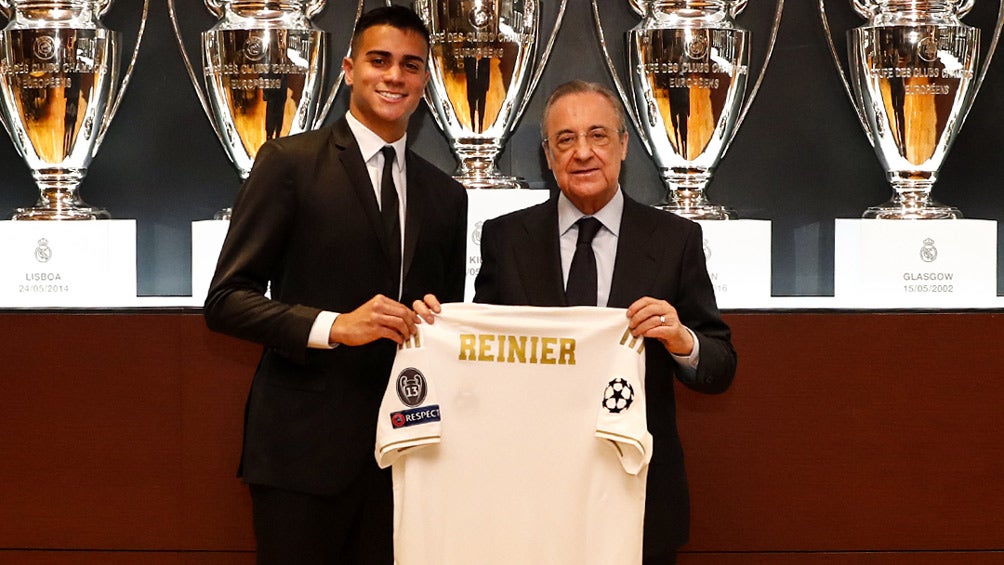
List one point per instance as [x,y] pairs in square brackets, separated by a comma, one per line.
[649,317]
[426,307]
[381,317]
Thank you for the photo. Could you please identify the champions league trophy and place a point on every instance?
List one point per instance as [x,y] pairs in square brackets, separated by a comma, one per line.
[264,66]
[688,66]
[59,75]
[484,69]
[913,78]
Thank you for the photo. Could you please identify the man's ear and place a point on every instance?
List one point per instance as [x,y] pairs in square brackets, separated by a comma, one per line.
[347,69]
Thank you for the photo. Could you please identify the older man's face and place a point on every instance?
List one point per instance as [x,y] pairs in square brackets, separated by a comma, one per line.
[585,148]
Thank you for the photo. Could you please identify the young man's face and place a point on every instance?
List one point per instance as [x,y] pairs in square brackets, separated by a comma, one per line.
[388,73]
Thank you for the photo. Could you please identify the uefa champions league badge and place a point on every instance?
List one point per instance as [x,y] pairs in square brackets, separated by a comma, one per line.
[618,396]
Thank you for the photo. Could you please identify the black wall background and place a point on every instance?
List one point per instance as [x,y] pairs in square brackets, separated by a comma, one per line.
[800,158]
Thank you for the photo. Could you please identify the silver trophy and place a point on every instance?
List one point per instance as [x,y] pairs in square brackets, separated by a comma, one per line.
[688,67]
[913,77]
[264,66]
[59,75]
[484,69]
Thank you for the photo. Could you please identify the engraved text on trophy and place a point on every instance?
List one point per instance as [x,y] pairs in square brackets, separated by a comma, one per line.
[262,83]
[913,86]
[56,85]
[688,86]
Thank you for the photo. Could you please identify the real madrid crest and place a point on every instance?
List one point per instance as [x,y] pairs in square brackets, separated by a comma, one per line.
[928,253]
[476,233]
[43,252]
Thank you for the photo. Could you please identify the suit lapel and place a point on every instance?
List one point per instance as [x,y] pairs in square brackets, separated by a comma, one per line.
[636,265]
[359,179]
[538,257]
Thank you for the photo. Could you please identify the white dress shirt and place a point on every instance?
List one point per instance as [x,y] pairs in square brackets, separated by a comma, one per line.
[370,145]
[605,250]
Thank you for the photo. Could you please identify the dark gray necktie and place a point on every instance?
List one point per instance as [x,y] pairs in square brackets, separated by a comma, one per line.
[581,287]
[388,208]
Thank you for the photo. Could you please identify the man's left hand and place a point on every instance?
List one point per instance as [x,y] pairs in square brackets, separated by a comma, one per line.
[649,317]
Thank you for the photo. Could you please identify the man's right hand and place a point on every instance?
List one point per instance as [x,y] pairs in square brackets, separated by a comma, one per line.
[380,317]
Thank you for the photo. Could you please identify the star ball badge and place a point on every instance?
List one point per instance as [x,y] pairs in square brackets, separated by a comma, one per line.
[618,396]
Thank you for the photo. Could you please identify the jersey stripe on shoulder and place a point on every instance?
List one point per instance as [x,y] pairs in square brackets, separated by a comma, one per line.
[631,342]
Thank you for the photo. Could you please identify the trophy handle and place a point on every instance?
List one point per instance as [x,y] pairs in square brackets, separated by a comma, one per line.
[215,7]
[763,71]
[618,83]
[965,7]
[860,8]
[196,83]
[103,7]
[539,71]
[968,4]
[120,90]
[313,8]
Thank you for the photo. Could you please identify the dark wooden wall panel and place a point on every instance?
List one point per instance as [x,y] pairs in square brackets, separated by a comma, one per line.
[126,558]
[847,438]
[852,432]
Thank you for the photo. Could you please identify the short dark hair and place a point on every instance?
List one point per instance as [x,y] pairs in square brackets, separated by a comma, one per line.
[400,17]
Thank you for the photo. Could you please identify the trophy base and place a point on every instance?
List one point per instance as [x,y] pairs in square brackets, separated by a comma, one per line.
[60,214]
[895,210]
[706,212]
[224,214]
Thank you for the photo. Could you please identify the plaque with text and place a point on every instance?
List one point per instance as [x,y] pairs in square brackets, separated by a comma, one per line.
[487,204]
[68,264]
[911,264]
[738,257]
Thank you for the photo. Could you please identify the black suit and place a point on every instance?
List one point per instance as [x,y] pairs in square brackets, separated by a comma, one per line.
[658,255]
[306,225]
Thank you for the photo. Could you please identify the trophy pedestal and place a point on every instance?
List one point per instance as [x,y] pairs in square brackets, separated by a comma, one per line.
[207,240]
[68,264]
[915,264]
[739,261]
[484,205]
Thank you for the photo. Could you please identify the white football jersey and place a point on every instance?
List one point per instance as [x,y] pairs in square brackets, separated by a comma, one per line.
[518,434]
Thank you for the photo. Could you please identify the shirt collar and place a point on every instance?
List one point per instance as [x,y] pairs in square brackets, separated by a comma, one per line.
[609,215]
[370,143]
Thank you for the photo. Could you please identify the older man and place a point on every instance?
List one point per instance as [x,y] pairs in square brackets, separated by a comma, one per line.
[591,244]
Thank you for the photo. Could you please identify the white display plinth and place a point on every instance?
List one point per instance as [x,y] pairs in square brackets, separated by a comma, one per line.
[486,204]
[207,240]
[738,256]
[915,263]
[68,263]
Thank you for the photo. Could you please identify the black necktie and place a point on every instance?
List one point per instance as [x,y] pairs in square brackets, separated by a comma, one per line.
[581,287]
[388,209]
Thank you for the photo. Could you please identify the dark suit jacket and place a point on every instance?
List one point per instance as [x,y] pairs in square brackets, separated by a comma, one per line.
[659,255]
[306,226]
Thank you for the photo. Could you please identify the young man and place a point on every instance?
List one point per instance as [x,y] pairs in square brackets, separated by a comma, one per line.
[342,227]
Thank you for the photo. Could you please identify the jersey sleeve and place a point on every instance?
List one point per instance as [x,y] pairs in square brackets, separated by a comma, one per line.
[409,416]
[622,422]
